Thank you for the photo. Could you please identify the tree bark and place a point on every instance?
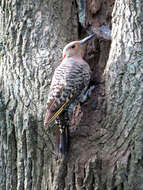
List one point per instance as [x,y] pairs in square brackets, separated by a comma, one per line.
[124,97]
[32,35]
[106,149]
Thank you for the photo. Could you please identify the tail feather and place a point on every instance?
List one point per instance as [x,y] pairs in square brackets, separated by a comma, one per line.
[64,142]
[61,142]
[57,141]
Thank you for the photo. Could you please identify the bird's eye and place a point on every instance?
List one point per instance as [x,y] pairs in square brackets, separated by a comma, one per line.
[73,46]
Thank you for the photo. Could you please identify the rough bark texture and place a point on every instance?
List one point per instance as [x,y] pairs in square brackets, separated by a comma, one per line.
[124,81]
[32,36]
[106,150]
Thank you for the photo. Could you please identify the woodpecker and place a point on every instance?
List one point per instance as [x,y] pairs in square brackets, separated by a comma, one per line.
[69,84]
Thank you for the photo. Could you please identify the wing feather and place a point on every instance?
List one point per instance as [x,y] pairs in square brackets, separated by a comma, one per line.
[67,84]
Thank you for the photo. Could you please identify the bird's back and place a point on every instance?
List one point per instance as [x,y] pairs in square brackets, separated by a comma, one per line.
[70,78]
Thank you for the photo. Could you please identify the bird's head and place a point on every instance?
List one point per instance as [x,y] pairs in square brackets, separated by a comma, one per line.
[75,48]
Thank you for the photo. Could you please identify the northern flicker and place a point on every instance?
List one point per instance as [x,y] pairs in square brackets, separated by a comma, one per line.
[69,83]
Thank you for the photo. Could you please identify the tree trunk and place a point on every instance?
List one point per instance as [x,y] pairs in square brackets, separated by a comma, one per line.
[124,139]
[32,35]
[106,150]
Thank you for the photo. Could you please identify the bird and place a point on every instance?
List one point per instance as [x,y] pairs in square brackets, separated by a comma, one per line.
[68,86]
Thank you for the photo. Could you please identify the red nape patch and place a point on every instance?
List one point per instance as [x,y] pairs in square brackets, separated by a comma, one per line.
[63,57]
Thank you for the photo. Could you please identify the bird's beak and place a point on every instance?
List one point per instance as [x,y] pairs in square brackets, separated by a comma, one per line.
[82,42]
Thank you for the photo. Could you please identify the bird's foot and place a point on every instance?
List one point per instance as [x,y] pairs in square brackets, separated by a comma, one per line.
[87,94]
